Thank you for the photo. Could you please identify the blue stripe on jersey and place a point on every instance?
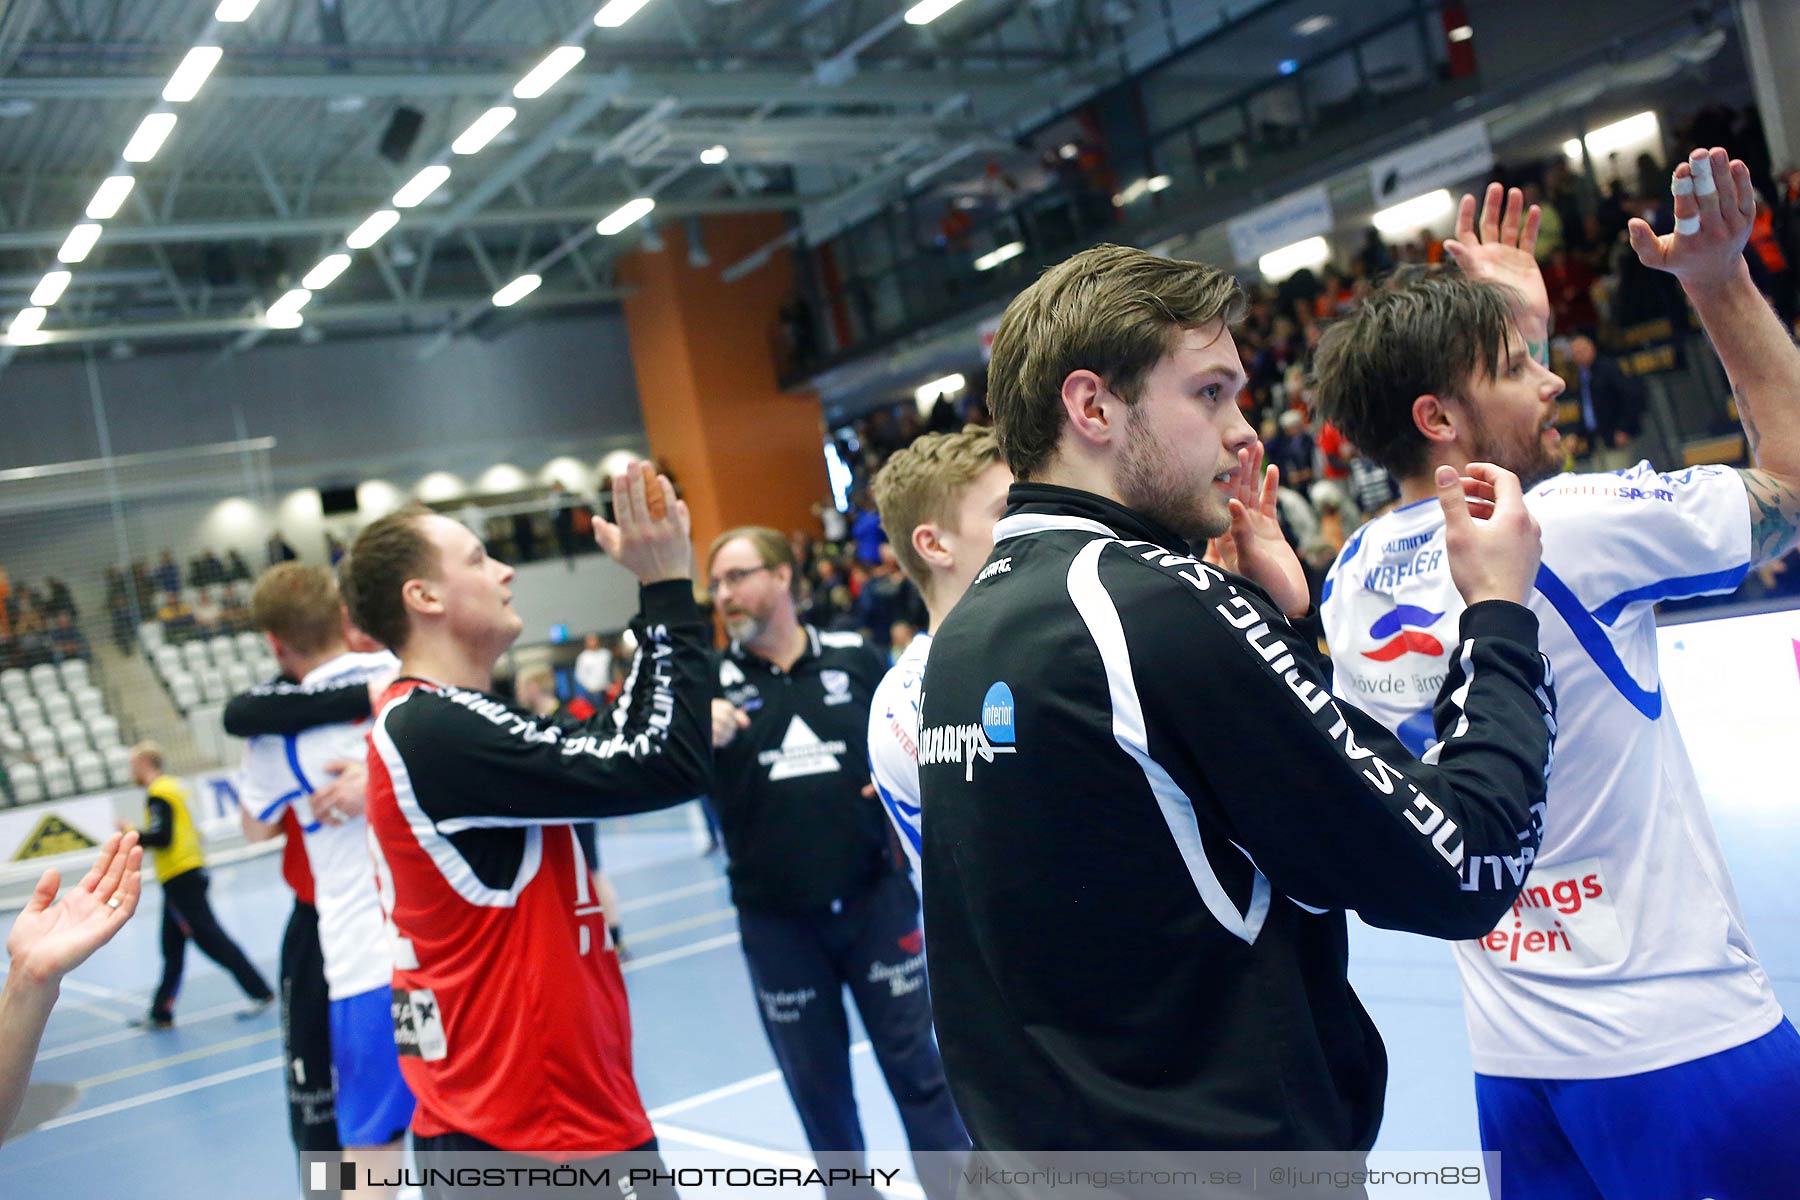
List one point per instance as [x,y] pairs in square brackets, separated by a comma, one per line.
[292,742]
[904,814]
[1344,556]
[1599,647]
[278,804]
[1670,589]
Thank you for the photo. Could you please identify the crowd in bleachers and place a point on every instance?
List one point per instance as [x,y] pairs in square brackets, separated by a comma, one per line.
[1598,291]
[38,624]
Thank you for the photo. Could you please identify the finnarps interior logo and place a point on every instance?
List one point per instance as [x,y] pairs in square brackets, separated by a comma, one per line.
[997,715]
[320,1176]
[996,734]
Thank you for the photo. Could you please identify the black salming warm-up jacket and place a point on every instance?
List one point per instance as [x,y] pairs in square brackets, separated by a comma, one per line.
[1145,818]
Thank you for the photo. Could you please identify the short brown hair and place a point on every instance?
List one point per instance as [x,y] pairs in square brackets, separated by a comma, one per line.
[1427,332]
[925,482]
[1111,310]
[389,552]
[772,549]
[300,605]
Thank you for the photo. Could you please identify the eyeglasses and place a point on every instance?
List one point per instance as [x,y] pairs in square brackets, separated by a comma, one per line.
[732,578]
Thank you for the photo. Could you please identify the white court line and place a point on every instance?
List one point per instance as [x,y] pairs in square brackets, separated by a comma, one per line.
[107,1110]
[655,898]
[653,932]
[730,1089]
[174,1059]
[653,960]
[774,1158]
[125,1035]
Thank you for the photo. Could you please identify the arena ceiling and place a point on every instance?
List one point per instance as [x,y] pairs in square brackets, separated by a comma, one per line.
[824,108]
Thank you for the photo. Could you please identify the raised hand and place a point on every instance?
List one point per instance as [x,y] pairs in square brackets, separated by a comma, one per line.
[1503,248]
[652,537]
[1255,547]
[727,719]
[1493,541]
[1715,206]
[52,937]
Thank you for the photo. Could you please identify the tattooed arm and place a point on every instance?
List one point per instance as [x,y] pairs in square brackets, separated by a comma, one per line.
[1774,514]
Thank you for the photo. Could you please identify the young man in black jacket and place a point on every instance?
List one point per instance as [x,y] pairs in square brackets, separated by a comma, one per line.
[1145,815]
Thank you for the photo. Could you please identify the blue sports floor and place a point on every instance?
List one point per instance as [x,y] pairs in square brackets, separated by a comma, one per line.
[199,1110]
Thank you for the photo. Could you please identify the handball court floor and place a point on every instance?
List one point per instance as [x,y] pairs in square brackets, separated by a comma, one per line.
[199,1110]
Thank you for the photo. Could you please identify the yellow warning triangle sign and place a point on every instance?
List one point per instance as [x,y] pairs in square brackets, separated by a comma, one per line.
[53,835]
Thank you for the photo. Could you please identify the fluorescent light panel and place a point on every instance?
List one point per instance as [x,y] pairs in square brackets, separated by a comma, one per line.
[484,129]
[1277,265]
[1632,131]
[420,186]
[1462,33]
[624,216]
[329,268]
[185,83]
[285,312]
[50,289]
[80,241]
[517,290]
[1315,24]
[615,13]
[26,322]
[109,196]
[939,387]
[712,156]
[1416,213]
[998,255]
[927,11]
[152,131]
[233,11]
[372,229]
[556,64]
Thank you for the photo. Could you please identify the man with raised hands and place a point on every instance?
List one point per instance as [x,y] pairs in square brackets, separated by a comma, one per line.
[490,911]
[1626,1040]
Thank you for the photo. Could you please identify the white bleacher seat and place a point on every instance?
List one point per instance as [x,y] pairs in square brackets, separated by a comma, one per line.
[239,677]
[44,679]
[103,730]
[25,711]
[74,672]
[118,765]
[212,683]
[87,700]
[90,771]
[223,649]
[263,667]
[27,784]
[14,681]
[41,739]
[59,780]
[251,645]
[57,708]
[72,737]
[185,691]
[195,656]
[150,635]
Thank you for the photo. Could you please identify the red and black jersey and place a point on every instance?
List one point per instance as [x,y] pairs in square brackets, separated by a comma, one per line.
[509,1009]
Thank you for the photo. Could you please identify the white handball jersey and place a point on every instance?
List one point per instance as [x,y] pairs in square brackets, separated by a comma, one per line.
[280,771]
[894,745]
[1626,951]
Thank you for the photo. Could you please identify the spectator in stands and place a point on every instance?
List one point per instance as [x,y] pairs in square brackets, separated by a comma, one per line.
[207,570]
[67,641]
[122,616]
[1612,406]
[176,616]
[207,612]
[234,609]
[866,529]
[560,507]
[236,569]
[1292,450]
[167,575]
[593,669]
[1372,489]
[279,551]
[58,599]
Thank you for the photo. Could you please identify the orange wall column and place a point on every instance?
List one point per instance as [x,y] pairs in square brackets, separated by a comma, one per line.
[704,352]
